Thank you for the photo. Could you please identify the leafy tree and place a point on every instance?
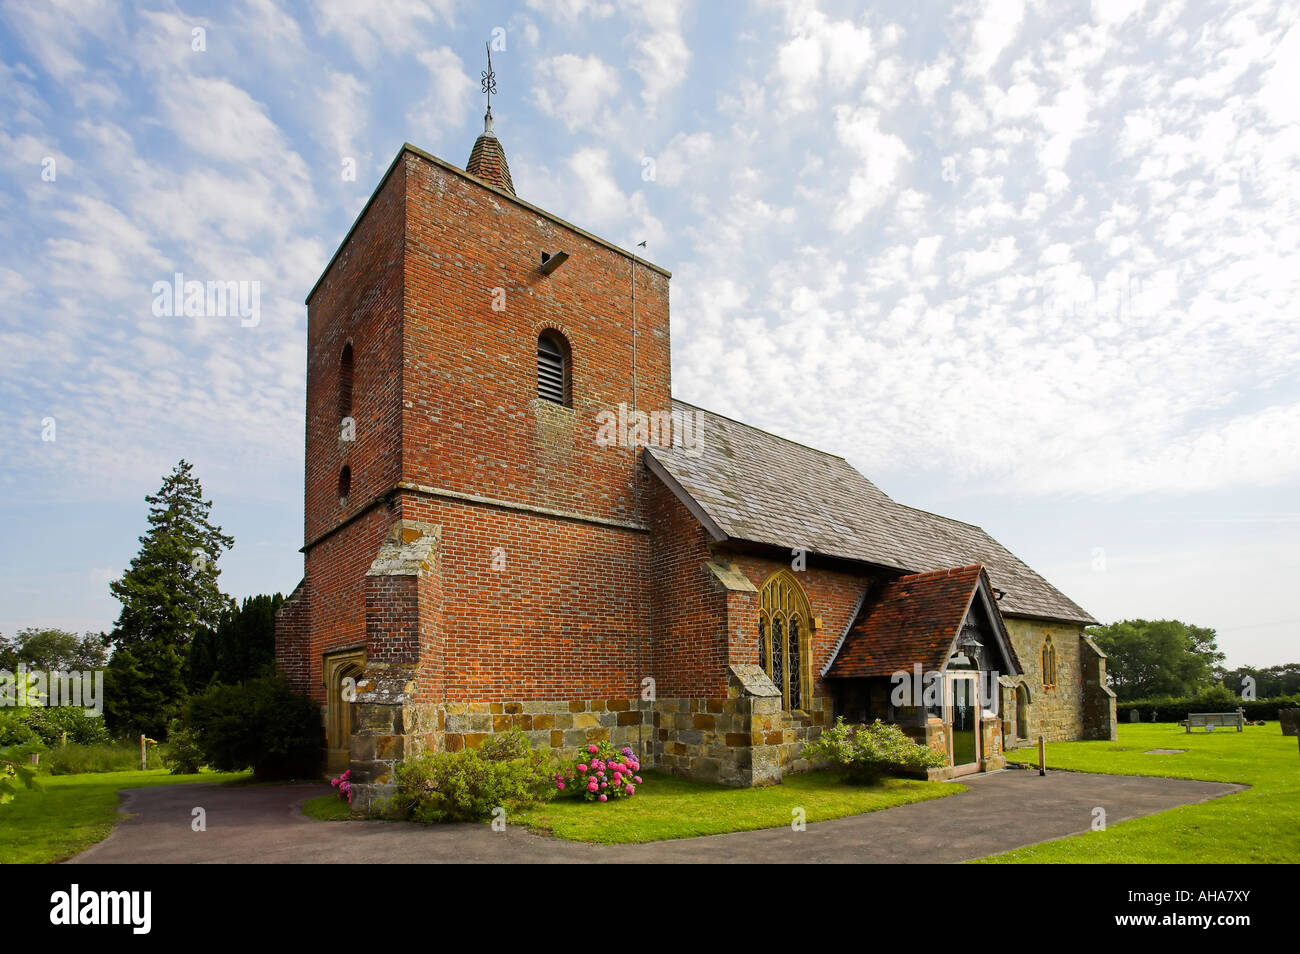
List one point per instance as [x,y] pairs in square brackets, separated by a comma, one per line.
[52,649]
[1164,657]
[168,594]
[240,647]
[1270,681]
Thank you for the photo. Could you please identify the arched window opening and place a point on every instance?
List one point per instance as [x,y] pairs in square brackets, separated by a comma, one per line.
[784,637]
[553,368]
[345,483]
[1049,664]
[345,382]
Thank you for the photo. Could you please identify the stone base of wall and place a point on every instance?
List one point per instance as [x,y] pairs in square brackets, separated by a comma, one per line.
[744,739]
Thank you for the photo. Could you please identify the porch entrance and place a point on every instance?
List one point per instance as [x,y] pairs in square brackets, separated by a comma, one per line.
[962,721]
[340,672]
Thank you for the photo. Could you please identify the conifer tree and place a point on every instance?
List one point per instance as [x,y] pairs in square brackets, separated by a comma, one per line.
[168,594]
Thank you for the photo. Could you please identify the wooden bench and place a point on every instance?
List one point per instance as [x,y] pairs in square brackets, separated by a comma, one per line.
[1206,720]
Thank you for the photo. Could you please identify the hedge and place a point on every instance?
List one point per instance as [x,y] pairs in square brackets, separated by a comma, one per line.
[1176,710]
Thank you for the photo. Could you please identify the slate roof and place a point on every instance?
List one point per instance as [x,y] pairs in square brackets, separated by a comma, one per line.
[746,484]
[914,619]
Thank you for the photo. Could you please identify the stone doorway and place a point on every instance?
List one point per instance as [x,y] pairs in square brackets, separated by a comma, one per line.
[340,672]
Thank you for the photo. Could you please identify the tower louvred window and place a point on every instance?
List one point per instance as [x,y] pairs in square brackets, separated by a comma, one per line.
[552,370]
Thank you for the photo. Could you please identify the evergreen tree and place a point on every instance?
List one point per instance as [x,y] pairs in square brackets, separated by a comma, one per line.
[239,648]
[168,594]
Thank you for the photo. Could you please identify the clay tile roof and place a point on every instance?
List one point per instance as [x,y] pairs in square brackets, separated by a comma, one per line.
[746,484]
[487,160]
[912,620]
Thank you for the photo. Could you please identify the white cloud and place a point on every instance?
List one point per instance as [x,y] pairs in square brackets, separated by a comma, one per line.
[448,98]
[662,56]
[994,29]
[573,88]
[881,158]
[381,28]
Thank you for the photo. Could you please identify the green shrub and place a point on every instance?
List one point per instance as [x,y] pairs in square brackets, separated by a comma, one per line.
[1169,709]
[14,730]
[467,785]
[262,724]
[50,723]
[182,754]
[81,759]
[865,753]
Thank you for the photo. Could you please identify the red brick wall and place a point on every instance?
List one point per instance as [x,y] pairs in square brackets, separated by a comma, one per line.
[444,396]
[293,638]
[564,618]
[471,421]
[688,604]
[359,300]
[832,595]
[336,568]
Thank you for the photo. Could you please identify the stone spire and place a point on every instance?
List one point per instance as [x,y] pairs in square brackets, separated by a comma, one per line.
[487,159]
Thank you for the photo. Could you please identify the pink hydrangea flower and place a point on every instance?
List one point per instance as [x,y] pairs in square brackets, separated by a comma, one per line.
[604,798]
[582,768]
[631,789]
[560,786]
[637,779]
[592,749]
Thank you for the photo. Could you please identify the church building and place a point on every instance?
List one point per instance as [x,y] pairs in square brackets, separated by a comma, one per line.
[510,523]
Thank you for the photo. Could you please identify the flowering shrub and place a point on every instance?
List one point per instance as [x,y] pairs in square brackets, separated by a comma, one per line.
[344,785]
[601,775]
[864,753]
[467,785]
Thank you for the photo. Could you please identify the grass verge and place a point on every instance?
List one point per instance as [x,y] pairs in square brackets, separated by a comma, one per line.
[1258,826]
[666,806]
[69,813]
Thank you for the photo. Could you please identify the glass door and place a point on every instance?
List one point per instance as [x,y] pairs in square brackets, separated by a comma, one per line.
[964,721]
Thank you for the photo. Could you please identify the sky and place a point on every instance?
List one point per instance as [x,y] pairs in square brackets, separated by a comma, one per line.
[1030,264]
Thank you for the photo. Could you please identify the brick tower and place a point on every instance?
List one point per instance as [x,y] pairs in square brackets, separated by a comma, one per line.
[475,560]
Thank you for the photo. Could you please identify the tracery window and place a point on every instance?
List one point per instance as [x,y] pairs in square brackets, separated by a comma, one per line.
[784,637]
[1049,664]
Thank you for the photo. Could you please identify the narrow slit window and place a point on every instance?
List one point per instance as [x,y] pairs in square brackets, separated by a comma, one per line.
[345,382]
[552,368]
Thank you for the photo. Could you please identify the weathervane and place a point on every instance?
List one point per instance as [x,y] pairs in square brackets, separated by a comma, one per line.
[489,79]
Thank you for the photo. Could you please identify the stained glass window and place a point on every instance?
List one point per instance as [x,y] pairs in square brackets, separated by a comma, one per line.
[784,631]
[795,668]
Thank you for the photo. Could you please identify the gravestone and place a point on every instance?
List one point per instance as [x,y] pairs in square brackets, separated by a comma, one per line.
[1133,715]
[1290,719]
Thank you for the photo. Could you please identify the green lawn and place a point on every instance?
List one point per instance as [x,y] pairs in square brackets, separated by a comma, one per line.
[1261,825]
[327,808]
[669,807]
[69,813]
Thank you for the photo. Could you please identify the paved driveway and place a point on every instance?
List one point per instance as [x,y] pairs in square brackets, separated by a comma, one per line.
[1000,811]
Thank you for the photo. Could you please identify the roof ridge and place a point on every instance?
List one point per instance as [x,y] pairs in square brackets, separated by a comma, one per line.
[788,440]
[935,574]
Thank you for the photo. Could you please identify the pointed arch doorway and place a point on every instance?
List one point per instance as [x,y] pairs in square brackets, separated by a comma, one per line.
[340,672]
